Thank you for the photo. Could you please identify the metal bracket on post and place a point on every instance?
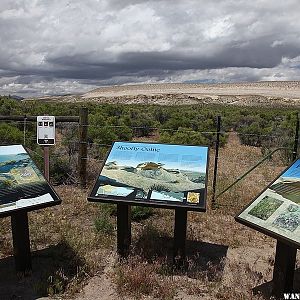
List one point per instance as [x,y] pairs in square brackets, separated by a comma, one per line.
[180,237]
[21,242]
[123,229]
[284,268]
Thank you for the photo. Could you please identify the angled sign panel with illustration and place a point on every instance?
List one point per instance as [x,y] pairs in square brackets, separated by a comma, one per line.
[154,174]
[276,211]
[22,185]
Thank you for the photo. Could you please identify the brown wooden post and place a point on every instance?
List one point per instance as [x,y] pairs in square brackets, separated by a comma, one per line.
[214,186]
[46,163]
[82,154]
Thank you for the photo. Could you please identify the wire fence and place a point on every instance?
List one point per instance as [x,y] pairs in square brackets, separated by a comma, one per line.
[68,140]
[71,130]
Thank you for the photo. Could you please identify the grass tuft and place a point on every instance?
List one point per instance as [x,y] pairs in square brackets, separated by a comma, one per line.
[137,277]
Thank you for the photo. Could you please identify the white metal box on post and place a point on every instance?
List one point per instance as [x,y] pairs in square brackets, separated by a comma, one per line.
[46,130]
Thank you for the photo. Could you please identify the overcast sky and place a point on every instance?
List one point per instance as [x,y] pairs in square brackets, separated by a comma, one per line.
[60,46]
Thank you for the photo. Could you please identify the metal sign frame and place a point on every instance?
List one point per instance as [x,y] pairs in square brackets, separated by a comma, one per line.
[135,200]
[263,229]
[56,199]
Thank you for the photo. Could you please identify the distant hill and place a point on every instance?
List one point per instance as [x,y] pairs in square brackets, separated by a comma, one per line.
[16,97]
[275,93]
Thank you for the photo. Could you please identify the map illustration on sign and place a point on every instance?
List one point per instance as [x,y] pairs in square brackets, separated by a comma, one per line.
[277,210]
[154,173]
[21,183]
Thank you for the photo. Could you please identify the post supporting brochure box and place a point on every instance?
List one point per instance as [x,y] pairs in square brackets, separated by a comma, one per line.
[150,174]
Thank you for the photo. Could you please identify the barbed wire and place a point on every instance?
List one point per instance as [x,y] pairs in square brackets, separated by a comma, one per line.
[71,124]
[75,125]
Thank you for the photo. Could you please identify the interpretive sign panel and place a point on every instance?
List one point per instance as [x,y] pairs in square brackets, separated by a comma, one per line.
[22,185]
[154,174]
[276,211]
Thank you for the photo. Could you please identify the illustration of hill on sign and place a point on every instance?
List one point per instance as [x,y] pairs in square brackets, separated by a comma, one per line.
[276,211]
[154,173]
[22,185]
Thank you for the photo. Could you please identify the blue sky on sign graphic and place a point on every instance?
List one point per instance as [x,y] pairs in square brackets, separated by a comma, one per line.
[191,158]
[293,171]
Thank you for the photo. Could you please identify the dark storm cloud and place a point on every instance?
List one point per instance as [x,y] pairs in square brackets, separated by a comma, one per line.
[62,45]
[258,55]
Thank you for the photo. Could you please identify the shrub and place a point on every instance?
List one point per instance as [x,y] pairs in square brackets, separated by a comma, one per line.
[10,134]
[60,170]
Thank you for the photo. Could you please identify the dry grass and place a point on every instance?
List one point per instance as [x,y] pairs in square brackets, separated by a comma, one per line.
[136,277]
[234,160]
[225,260]
[66,249]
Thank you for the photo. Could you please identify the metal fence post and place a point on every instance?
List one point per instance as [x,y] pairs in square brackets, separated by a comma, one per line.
[296,141]
[216,163]
[82,154]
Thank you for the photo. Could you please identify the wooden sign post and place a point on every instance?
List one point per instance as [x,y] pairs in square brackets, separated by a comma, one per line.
[46,163]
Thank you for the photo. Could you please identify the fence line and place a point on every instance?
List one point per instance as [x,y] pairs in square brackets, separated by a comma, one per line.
[222,132]
[78,122]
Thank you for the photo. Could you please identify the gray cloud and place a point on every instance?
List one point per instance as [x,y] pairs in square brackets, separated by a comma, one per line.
[56,46]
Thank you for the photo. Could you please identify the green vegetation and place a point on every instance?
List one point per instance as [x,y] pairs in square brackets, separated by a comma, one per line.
[10,134]
[180,124]
[191,124]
